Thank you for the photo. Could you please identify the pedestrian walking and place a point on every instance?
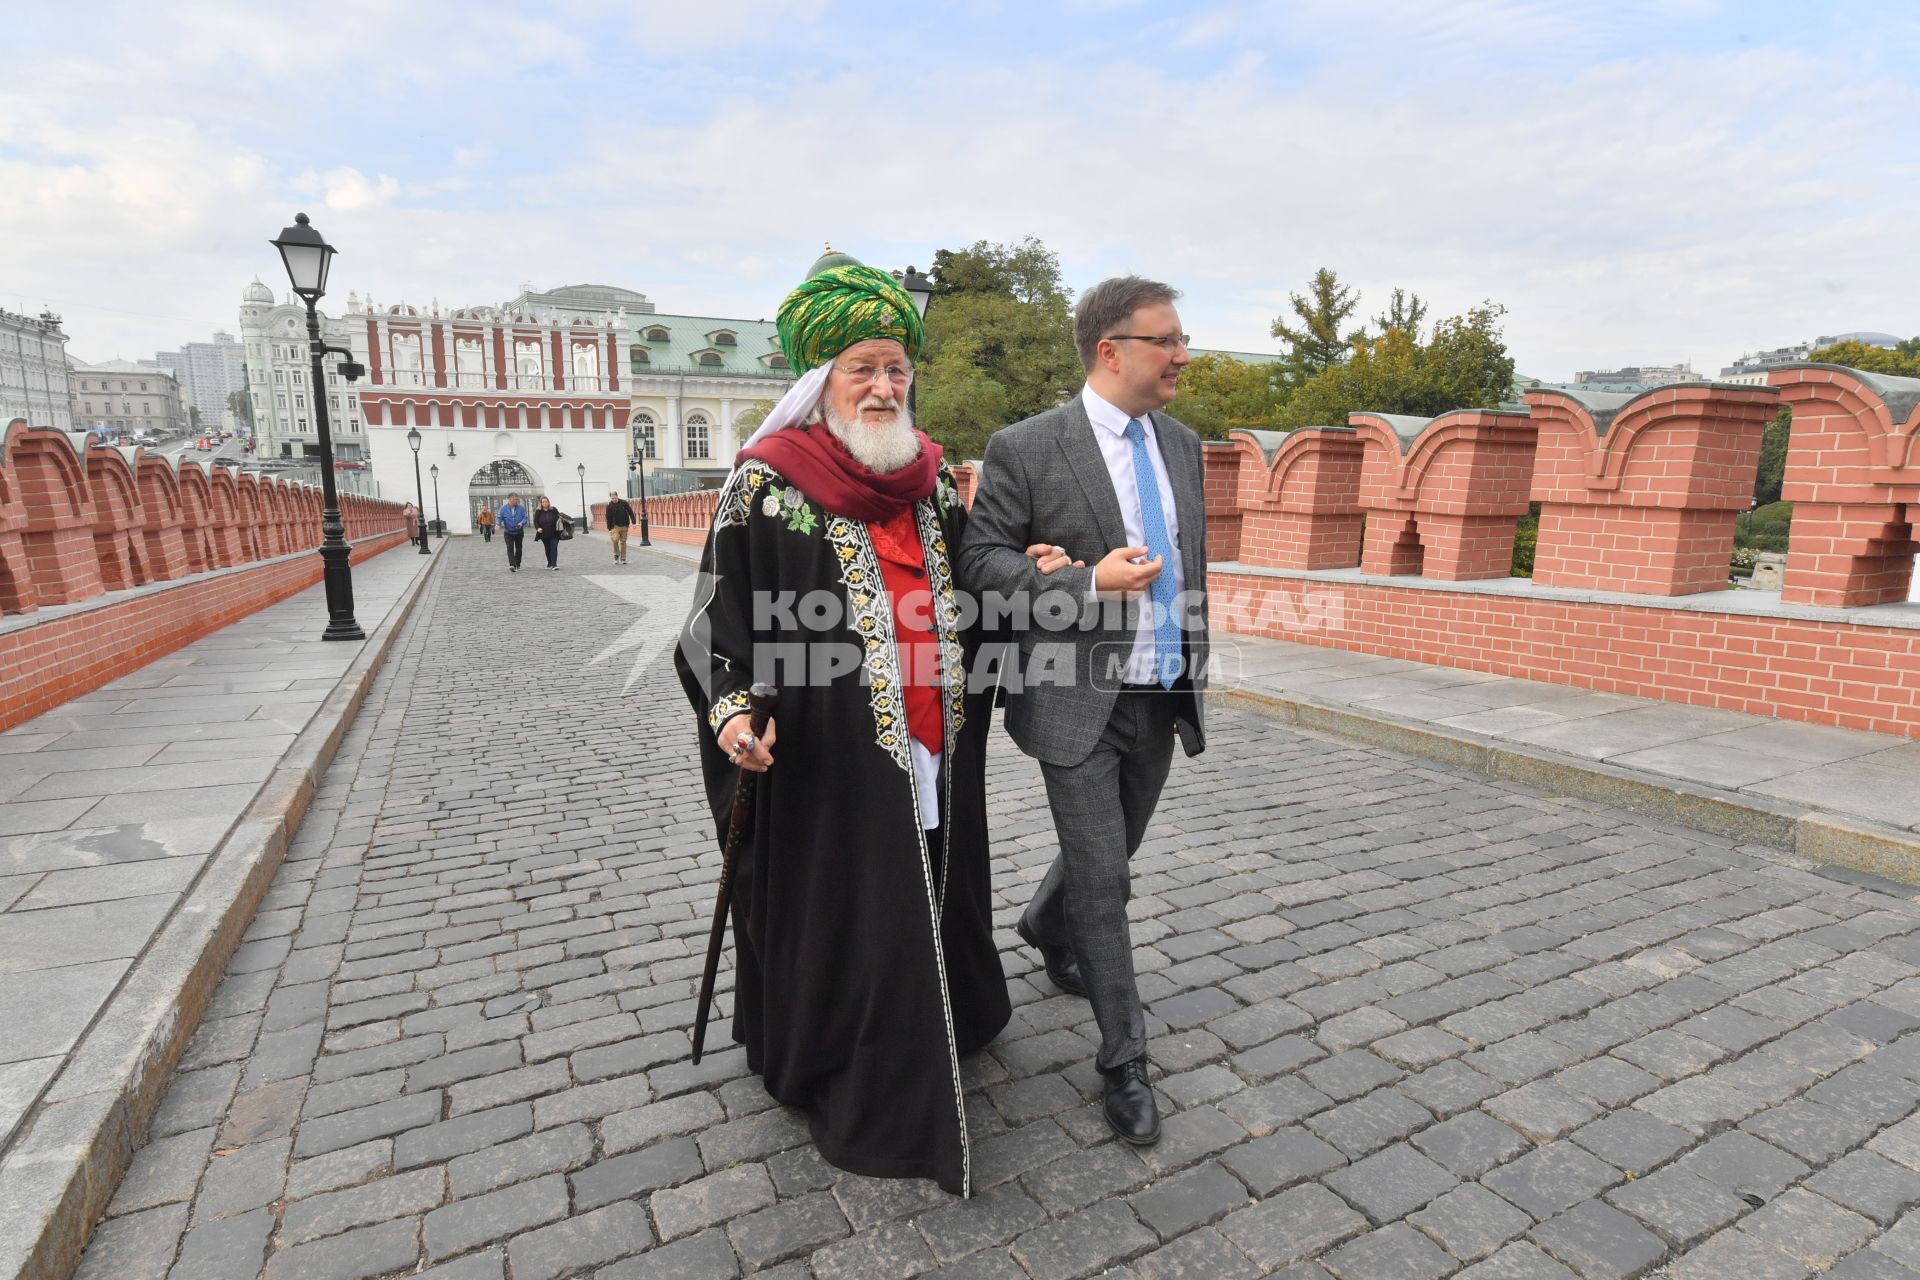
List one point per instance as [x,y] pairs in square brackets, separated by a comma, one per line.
[548,524]
[485,521]
[512,519]
[619,520]
[1115,477]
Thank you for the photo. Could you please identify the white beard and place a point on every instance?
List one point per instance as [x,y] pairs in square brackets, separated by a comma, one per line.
[881,449]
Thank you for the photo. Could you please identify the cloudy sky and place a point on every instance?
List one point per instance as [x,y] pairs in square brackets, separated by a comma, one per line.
[1635,180]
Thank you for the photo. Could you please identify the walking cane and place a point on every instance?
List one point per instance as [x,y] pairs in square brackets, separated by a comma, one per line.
[762,699]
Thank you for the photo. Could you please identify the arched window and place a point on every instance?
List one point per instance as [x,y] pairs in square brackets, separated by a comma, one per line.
[586,368]
[407,369]
[640,356]
[643,435]
[710,358]
[529,367]
[469,363]
[659,333]
[697,434]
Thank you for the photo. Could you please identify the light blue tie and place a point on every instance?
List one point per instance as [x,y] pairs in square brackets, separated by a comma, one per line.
[1153,524]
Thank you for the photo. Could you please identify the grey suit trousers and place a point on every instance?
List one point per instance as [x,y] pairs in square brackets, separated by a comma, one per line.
[1101,808]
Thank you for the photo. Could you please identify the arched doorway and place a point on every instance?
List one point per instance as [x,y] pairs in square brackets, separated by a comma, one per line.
[493,482]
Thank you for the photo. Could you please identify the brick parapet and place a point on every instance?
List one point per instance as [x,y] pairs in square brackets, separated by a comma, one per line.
[1853,475]
[80,525]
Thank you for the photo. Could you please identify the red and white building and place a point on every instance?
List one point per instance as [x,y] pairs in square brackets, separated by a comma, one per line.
[544,390]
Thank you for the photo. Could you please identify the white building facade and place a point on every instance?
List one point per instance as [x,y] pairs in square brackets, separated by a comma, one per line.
[279,369]
[119,397]
[493,392]
[34,382]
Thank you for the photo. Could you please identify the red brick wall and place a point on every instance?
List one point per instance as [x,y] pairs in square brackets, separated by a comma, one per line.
[45,664]
[1857,676]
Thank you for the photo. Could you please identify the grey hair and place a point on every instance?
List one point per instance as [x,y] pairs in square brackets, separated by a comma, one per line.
[1108,305]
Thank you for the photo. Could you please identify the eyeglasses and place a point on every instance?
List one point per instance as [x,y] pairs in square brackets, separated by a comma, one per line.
[893,373]
[1164,341]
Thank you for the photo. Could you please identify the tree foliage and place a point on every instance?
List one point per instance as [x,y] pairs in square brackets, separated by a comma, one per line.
[1903,361]
[999,343]
[1404,311]
[1463,365]
[242,406]
[1219,394]
[1315,343]
[1773,457]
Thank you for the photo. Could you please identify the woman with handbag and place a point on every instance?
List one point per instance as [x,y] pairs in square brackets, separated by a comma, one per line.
[549,528]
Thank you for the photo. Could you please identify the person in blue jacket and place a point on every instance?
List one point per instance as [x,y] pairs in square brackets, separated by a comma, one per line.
[512,522]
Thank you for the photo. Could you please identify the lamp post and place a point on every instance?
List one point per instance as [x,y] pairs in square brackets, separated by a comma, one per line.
[586,512]
[641,466]
[920,289]
[419,497]
[307,257]
[439,525]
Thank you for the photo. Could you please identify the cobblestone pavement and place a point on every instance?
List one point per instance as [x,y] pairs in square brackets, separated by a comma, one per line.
[1412,1022]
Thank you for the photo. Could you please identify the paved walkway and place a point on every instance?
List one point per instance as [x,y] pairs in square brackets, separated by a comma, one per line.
[111,806]
[1412,1021]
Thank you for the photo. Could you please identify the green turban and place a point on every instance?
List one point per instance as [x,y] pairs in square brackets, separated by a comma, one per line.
[841,306]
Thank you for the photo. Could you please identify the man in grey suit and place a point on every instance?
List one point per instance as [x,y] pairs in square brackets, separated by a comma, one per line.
[1099,699]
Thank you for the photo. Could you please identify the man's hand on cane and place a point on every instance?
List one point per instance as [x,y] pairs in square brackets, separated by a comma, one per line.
[737,740]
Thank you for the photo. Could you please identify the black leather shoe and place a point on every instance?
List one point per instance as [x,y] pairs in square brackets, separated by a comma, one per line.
[1132,1111]
[1062,969]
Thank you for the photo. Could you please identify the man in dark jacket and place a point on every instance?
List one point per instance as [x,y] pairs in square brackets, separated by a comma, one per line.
[619,519]
[512,522]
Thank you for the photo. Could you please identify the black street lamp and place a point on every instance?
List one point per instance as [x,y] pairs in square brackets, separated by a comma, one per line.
[640,465]
[307,257]
[439,525]
[586,512]
[419,496]
[920,289]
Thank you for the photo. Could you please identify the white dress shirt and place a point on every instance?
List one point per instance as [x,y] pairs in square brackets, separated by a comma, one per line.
[1110,430]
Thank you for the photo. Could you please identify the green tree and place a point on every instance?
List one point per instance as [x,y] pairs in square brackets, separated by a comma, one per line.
[1463,365]
[750,417]
[1316,343]
[999,343]
[1219,394]
[1773,457]
[242,406]
[1027,271]
[1404,311]
[1858,355]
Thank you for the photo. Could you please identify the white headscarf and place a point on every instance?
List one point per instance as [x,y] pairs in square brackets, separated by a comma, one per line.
[795,407]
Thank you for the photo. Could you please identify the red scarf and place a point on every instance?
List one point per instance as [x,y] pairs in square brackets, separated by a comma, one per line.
[820,467]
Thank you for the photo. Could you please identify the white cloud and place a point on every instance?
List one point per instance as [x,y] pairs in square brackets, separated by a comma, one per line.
[1646,203]
[351,189]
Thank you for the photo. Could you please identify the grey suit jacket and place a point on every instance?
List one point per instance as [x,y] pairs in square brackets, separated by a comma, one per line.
[1046,481]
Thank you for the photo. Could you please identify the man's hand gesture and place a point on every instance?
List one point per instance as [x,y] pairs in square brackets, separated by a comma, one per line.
[1119,574]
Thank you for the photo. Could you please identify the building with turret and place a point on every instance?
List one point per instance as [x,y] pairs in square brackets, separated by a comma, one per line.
[280,381]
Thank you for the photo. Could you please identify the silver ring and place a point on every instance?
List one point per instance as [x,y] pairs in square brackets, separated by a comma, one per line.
[746,742]
[1059,551]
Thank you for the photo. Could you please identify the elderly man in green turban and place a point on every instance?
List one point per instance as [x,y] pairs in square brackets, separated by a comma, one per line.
[865,966]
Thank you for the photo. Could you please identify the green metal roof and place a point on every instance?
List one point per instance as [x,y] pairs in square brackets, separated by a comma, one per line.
[688,337]
[1244,357]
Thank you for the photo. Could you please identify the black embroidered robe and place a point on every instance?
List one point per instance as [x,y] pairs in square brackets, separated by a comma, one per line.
[865,967]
